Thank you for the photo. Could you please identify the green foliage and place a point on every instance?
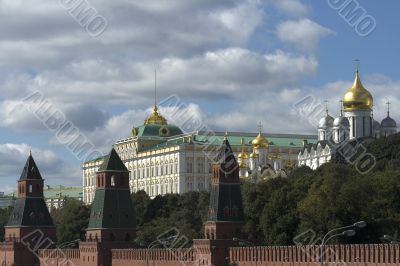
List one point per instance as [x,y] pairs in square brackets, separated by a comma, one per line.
[71,221]
[185,212]
[4,215]
[332,196]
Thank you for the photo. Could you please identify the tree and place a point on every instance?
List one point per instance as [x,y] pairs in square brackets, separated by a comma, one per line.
[4,216]
[71,220]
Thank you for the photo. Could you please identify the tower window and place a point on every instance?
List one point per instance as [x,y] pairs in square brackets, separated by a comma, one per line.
[30,188]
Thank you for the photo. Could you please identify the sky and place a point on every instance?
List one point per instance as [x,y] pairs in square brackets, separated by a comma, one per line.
[229,63]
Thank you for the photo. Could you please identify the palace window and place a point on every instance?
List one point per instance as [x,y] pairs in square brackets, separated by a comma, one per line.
[189,167]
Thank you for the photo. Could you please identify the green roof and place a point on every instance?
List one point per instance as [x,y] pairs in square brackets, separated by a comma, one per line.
[54,193]
[278,140]
[112,162]
[275,140]
[30,212]
[155,130]
[112,208]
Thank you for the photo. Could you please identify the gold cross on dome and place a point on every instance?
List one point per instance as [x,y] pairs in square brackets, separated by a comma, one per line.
[260,127]
[388,107]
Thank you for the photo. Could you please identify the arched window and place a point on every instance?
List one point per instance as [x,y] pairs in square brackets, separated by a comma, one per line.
[30,188]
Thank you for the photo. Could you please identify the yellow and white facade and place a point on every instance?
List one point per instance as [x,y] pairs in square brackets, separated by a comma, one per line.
[162,159]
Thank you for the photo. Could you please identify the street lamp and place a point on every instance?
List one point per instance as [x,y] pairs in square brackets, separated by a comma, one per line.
[347,231]
[63,245]
[242,241]
[392,240]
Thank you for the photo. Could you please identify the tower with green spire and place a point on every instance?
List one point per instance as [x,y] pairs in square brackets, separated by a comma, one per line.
[30,226]
[112,218]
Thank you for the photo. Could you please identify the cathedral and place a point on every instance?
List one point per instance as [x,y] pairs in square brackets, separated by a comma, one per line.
[355,123]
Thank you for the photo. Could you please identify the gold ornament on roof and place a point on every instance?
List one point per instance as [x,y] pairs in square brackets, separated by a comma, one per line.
[357,97]
[260,141]
[155,118]
[243,154]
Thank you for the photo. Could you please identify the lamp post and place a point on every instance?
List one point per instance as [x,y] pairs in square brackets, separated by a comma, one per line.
[344,231]
[63,245]
[391,239]
[242,241]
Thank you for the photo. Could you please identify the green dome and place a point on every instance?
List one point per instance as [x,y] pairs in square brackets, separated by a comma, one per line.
[156,130]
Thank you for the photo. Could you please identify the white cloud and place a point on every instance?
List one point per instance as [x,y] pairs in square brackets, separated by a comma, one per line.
[292,7]
[304,34]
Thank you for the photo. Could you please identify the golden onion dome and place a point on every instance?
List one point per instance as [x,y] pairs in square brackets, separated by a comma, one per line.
[243,155]
[155,118]
[260,141]
[357,97]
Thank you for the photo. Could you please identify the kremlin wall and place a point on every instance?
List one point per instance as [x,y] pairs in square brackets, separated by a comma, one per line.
[30,232]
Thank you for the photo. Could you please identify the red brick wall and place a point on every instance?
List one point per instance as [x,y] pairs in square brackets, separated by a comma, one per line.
[65,257]
[382,254]
[162,257]
[339,255]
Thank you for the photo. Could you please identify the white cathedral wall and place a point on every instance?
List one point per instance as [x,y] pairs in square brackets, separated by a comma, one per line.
[360,123]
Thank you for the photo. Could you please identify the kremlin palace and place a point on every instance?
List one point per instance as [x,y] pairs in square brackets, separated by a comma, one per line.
[162,159]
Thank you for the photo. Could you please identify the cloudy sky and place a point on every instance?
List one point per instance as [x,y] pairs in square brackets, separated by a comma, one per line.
[231,63]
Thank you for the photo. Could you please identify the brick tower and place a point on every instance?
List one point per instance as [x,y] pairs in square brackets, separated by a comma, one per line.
[112,218]
[226,216]
[30,226]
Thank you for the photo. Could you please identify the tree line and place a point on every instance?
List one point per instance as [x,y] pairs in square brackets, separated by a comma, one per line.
[276,210]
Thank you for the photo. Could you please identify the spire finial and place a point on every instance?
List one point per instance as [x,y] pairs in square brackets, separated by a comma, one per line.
[155,87]
[326,107]
[388,108]
[226,134]
[30,152]
[357,63]
[260,127]
[341,107]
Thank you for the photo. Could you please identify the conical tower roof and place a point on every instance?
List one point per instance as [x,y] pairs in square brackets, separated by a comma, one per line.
[112,162]
[30,171]
[225,153]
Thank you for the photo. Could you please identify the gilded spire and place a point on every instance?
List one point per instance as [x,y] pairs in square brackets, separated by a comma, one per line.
[155,117]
